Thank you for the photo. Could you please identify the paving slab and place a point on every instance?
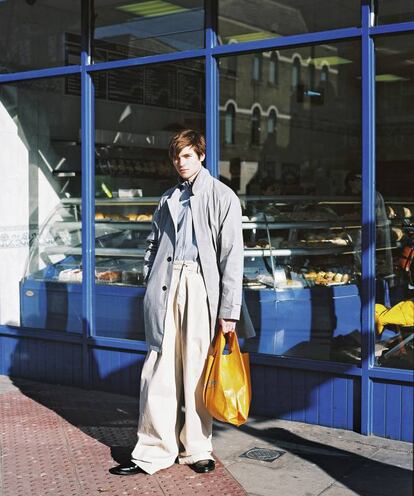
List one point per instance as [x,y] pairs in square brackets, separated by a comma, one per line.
[57,440]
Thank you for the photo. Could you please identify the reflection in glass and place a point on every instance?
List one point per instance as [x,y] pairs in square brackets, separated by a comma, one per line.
[229,124]
[273,69]
[390,11]
[257,67]
[255,130]
[137,112]
[395,224]
[39,34]
[148,27]
[40,239]
[251,20]
[301,222]
[271,122]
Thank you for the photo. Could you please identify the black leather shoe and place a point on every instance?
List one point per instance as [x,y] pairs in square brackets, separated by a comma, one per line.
[130,469]
[203,466]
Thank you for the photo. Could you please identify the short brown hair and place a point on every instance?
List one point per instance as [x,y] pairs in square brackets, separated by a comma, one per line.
[187,137]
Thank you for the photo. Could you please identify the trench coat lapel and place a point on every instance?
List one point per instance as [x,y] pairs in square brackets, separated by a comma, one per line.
[173,204]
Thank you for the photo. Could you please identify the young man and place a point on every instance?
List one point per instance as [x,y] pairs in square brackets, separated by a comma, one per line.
[194,271]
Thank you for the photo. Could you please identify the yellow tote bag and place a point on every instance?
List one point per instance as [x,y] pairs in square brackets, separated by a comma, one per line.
[227,388]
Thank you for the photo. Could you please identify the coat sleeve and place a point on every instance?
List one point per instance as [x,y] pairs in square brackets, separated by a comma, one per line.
[152,244]
[231,259]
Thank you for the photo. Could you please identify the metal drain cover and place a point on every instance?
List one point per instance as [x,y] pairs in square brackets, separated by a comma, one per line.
[263,454]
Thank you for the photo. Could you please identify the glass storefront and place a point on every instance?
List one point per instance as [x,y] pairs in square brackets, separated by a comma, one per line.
[40,228]
[394,205]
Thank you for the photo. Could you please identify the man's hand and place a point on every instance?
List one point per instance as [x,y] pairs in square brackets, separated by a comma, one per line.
[227,325]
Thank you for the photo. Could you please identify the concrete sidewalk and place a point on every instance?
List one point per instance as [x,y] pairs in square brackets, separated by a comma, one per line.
[62,441]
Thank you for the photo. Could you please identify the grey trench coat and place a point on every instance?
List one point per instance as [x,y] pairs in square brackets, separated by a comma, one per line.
[216,215]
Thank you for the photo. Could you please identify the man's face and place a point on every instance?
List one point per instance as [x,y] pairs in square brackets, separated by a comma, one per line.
[188,163]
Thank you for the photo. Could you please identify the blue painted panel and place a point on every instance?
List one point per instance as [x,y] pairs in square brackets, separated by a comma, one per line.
[298,396]
[8,347]
[310,397]
[284,383]
[59,306]
[378,408]
[302,322]
[407,406]
[41,360]
[326,402]
[116,371]
[339,394]
[393,410]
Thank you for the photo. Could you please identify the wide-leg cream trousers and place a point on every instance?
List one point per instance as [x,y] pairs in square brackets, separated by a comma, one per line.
[173,420]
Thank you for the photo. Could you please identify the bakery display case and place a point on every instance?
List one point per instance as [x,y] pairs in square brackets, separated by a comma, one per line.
[50,291]
[303,273]
[301,282]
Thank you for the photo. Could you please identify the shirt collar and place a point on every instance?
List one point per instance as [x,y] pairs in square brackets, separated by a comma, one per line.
[199,182]
[187,184]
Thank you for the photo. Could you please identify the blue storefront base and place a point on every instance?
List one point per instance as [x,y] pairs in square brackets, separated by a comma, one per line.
[322,393]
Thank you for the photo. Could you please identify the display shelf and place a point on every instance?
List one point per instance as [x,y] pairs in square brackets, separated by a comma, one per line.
[139,226]
[99,252]
[147,200]
[287,252]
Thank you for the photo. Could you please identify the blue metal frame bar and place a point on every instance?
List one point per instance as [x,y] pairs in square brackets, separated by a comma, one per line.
[368,218]
[211,88]
[151,59]
[48,335]
[88,195]
[288,41]
[400,375]
[392,28]
[40,73]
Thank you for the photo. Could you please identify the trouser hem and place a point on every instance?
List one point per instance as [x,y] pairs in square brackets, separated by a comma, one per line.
[188,460]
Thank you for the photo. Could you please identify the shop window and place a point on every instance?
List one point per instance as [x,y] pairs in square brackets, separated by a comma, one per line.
[394,203]
[296,72]
[138,112]
[392,12]
[325,74]
[255,126]
[271,122]
[257,63]
[301,256]
[243,20]
[124,30]
[39,34]
[229,124]
[40,211]
[274,69]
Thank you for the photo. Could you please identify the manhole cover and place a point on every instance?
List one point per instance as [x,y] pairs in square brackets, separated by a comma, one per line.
[263,454]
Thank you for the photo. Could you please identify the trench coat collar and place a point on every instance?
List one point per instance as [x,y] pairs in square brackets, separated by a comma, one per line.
[198,184]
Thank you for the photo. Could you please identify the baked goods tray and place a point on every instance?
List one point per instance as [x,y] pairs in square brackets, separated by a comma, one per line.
[287,252]
[139,224]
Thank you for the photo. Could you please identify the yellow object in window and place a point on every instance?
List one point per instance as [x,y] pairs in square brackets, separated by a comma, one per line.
[401,314]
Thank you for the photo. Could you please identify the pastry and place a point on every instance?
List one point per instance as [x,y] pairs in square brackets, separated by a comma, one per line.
[99,216]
